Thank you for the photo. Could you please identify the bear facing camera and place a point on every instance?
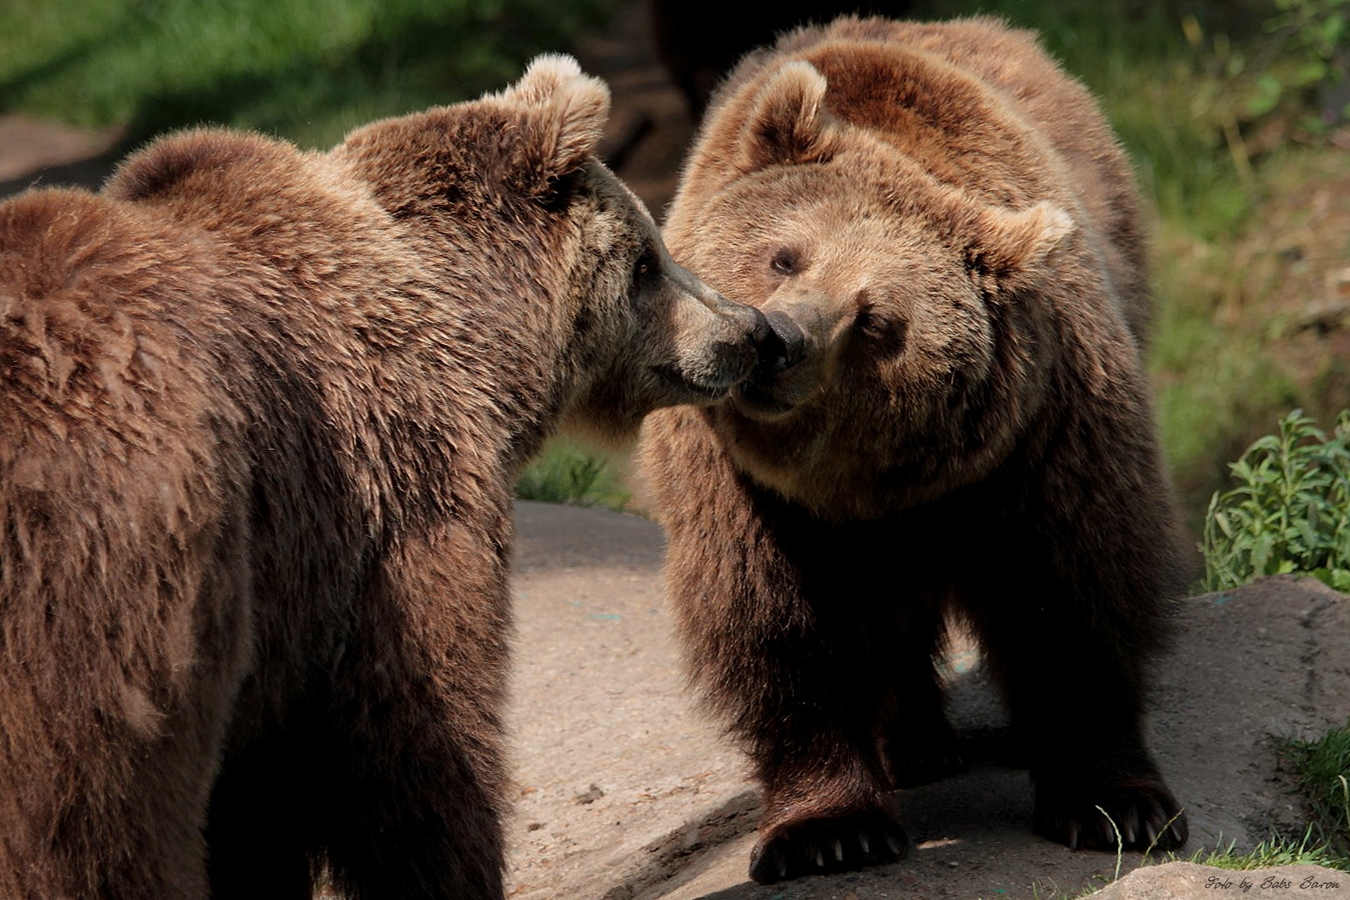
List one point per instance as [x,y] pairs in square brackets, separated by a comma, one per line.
[944,231]
[262,412]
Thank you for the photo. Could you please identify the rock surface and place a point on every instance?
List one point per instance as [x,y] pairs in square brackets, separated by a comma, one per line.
[625,792]
[1188,881]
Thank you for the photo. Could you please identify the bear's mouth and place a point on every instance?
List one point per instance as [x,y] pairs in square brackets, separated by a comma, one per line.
[693,388]
[763,394]
[755,397]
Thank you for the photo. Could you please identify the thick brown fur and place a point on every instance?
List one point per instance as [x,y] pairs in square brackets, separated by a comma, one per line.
[261,415]
[966,431]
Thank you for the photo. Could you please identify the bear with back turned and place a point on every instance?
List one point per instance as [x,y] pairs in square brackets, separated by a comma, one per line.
[942,227]
[261,415]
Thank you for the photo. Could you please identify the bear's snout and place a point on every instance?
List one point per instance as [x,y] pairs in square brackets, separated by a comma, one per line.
[740,349]
[782,347]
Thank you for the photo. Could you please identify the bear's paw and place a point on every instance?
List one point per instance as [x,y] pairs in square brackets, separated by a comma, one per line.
[817,846]
[1133,814]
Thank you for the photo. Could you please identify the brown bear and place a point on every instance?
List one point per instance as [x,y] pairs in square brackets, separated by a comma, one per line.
[964,431]
[261,415]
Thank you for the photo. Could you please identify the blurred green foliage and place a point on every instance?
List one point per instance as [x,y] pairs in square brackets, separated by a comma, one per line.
[308,70]
[569,473]
[1317,60]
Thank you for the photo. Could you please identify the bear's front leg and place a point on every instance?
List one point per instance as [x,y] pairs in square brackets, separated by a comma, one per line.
[775,638]
[823,819]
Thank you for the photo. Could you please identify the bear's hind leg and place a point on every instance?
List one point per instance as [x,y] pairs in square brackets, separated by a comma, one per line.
[415,731]
[416,817]
[1075,691]
[918,744]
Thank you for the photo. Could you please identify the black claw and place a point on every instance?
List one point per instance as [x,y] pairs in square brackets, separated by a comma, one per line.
[1133,816]
[817,846]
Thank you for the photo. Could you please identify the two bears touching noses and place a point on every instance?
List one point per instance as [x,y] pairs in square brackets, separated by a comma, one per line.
[263,410]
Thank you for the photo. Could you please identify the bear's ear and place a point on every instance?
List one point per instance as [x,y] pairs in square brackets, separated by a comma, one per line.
[1018,248]
[787,122]
[565,112]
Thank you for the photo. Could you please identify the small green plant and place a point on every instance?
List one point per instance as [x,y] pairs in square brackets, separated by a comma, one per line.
[1322,770]
[566,473]
[1290,511]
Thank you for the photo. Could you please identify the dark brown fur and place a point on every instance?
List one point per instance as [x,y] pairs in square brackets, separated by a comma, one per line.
[261,415]
[966,431]
[697,57]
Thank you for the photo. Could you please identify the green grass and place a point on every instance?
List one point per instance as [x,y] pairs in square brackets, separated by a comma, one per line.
[1321,768]
[308,70]
[1270,853]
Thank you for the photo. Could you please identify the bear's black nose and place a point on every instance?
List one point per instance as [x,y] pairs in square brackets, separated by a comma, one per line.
[782,347]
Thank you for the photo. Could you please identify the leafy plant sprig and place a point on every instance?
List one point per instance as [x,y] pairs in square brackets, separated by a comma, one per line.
[1290,511]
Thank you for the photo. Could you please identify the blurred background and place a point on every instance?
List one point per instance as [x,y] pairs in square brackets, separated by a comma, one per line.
[1235,113]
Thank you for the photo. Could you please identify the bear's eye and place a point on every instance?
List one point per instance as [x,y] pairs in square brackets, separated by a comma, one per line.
[885,333]
[784,262]
[644,268]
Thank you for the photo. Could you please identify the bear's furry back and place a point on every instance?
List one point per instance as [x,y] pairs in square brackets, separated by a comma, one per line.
[263,410]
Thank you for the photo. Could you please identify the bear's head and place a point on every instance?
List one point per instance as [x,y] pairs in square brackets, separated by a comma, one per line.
[597,303]
[914,345]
